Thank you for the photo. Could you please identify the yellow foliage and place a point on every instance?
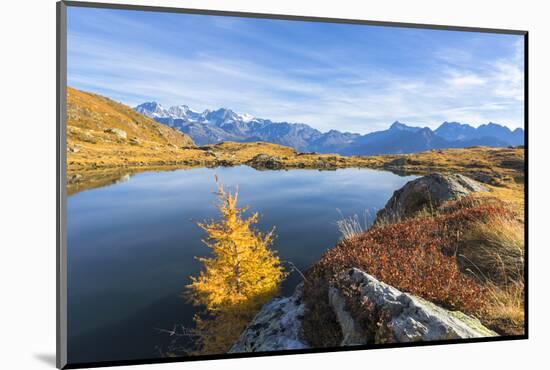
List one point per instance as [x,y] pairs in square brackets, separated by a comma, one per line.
[217,333]
[242,275]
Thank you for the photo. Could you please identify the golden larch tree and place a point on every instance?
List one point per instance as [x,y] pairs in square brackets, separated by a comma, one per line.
[242,274]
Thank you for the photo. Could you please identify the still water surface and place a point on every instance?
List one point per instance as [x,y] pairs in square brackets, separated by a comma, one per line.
[131,245]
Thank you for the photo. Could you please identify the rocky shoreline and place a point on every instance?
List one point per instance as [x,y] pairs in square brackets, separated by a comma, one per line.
[82,175]
[394,315]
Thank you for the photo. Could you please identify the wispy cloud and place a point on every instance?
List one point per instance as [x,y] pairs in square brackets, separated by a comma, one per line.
[349,78]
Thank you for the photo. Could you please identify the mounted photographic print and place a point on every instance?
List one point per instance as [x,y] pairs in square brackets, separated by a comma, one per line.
[236,184]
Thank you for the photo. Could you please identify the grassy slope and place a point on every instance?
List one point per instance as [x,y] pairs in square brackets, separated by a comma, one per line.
[90,144]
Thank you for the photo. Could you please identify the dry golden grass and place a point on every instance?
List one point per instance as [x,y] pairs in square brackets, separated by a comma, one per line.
[497,166]
[95,142]
[246,151]
[506,307]
[494,251]
[512,193]
[494,248]
[92,114]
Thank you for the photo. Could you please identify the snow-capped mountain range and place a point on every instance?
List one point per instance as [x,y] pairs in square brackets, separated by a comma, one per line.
[213,126]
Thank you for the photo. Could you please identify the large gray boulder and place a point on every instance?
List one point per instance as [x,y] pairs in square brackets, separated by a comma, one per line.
[402,317]
[426,192]
[278,326]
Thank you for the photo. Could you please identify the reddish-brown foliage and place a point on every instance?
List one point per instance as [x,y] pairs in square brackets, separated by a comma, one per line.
[416,256]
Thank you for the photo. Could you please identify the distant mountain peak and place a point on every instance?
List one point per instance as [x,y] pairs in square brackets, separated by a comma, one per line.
[494,128]
[151,109]
[178,110]
[245,117]
[221,115]
[182,107]
[454,124]
[224,124]
[399,126]
[149,105]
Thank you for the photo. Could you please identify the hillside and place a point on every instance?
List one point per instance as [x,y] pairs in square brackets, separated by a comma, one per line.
[101,131]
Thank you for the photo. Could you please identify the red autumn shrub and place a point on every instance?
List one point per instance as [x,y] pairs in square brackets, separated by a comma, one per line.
[416,256]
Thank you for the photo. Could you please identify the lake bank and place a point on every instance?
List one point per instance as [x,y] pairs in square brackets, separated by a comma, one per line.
[499,167]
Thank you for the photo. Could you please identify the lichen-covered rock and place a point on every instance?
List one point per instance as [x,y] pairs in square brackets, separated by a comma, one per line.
[426,192]
[118,132]
[399,317]
[398,162]
[278,326]
[262,161]
[351,331]
[135,141]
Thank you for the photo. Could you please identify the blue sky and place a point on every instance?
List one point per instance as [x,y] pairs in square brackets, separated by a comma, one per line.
[331,76]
